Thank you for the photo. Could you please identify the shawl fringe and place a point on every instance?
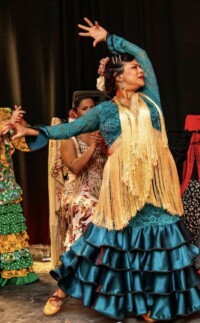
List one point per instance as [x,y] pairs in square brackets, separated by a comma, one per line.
[139,170]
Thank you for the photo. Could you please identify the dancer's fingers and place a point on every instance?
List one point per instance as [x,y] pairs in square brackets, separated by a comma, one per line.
[84,27]
[84,34]
[88,22]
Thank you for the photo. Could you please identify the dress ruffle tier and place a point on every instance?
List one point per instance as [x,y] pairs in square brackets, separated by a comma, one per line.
[15,257]
[136,270]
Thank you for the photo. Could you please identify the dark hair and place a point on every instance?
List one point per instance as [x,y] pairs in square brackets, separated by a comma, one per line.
[113,68]
[78,100]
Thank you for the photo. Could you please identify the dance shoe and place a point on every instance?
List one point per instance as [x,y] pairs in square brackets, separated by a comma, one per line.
[147,318]
[54,304]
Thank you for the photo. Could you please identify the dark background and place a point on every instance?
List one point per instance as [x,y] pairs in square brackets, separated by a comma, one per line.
[43,61]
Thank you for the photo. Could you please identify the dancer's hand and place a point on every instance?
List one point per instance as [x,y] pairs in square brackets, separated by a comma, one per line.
[19,130]
[5,127]
[17,115]
[94,30]
[97,138]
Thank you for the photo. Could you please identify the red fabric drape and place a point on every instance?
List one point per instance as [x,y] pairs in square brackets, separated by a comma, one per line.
[192,123]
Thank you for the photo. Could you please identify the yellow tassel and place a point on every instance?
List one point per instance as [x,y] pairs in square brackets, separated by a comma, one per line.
[139,170]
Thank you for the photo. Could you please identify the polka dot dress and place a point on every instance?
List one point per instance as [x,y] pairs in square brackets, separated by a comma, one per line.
[191,205]
[15,258]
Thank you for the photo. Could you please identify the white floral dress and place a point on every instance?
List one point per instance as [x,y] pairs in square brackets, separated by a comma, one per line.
[80,194]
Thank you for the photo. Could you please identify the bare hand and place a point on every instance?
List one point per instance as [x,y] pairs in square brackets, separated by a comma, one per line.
[19,130]
[17,115]
[6,126]
[97,138]
[94,30]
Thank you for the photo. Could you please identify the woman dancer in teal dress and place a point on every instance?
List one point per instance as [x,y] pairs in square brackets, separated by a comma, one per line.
[135,258]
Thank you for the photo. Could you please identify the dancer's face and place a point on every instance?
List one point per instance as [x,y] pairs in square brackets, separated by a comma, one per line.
[84,106]
[132,76]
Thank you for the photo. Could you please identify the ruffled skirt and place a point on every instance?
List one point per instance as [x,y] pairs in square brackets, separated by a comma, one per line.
[133,271]
[15,258]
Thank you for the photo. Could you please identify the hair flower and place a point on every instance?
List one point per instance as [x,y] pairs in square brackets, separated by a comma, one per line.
[101,80]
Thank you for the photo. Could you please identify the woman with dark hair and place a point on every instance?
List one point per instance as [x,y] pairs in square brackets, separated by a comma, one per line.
[84,158]
[75,175]
[79,98]
[135,256]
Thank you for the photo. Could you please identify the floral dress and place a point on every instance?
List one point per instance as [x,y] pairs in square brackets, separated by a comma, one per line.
[80,194]
[15,258]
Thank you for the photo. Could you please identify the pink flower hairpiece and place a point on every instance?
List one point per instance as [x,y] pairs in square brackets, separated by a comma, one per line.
[101,70]
[102,65]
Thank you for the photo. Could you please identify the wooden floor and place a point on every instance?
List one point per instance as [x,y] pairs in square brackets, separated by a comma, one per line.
[23,304]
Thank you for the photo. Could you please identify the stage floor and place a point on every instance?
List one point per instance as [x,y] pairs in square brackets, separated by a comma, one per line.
[23,304]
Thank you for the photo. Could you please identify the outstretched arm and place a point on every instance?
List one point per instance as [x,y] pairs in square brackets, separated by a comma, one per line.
[19,129]
[87,123]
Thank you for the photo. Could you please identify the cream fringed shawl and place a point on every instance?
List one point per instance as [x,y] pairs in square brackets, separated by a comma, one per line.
[55,189]
[139,170]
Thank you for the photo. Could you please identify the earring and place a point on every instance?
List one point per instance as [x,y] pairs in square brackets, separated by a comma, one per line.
[122,85]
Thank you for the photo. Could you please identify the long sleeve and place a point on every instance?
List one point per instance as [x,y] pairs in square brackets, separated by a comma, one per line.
[118,45]
[87,123]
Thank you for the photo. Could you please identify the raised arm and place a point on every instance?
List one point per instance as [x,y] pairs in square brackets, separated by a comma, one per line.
[118,45]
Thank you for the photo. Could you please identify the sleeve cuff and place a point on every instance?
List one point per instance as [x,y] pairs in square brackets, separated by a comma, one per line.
[36,143]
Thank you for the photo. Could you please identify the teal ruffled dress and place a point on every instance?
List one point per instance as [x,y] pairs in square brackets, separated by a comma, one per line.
[139,269]
[147,266]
